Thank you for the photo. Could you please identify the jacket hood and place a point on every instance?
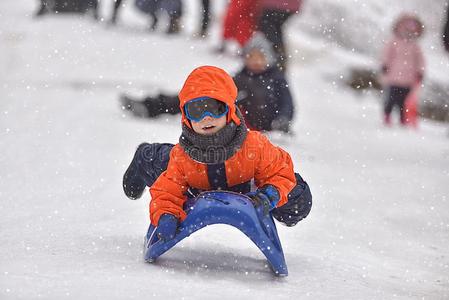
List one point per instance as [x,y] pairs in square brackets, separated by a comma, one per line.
[213,82]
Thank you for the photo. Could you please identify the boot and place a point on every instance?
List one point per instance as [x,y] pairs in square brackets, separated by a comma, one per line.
[168,104]
[221,48]
[113,19]
[161,104]
[174,26]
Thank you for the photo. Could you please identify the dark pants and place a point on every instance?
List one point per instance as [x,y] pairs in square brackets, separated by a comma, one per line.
[396,97]
[150,160]
[271,22]
[206,17]
[446,31]
[117,5]
[61,6]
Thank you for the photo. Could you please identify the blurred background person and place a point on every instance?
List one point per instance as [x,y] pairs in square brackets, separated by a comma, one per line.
[402,64]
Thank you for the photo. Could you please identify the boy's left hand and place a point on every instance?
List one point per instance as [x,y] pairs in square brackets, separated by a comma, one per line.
[265,197]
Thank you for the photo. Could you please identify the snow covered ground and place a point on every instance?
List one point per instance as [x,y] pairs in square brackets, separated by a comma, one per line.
[379,227]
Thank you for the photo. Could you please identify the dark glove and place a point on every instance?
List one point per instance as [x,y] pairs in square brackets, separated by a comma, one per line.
[265,198]
[281,124]
[166,227]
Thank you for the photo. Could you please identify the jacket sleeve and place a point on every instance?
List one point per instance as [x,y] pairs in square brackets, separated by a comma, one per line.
[274,167]
[168,191]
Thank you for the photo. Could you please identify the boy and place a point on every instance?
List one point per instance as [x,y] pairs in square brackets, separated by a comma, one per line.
[216,151]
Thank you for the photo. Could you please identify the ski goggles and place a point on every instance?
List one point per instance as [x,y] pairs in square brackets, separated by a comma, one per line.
[198,108]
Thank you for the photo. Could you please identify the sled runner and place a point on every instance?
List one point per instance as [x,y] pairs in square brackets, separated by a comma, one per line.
[218,207]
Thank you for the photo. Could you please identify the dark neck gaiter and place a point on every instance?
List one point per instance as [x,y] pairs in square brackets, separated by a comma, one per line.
[215,148]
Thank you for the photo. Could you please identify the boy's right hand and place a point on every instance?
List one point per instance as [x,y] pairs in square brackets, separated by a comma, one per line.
[166,227]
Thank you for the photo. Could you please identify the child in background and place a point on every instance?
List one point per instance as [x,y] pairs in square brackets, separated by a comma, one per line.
[264,94]
[216,151]
[240,21]
[402,64]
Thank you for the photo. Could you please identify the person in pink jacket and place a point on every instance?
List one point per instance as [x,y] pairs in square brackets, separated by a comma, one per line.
[402,64]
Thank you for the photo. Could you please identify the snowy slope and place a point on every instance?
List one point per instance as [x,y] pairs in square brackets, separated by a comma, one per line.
[378,228]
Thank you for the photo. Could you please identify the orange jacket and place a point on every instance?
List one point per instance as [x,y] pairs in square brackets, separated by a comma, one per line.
[257,158]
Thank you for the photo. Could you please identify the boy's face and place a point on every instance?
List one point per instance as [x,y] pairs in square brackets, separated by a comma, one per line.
[256,61]
[209,125]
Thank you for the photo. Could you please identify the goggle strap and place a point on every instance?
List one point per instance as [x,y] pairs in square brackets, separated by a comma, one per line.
[206,113]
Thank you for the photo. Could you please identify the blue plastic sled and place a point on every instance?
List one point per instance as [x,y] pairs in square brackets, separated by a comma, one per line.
[218,207]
